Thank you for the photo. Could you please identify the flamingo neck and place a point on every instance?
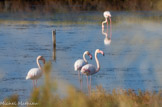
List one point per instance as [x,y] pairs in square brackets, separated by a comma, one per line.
[97,62]
[39,66]
[106,19]
[84,58]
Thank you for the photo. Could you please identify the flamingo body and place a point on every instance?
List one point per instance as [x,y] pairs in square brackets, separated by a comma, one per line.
[88,69]
[34,74]
[79,64]
[106,14]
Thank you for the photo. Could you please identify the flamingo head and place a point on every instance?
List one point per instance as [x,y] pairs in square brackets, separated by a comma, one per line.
[99,51]
[89,54]
[41,58]
[107,14]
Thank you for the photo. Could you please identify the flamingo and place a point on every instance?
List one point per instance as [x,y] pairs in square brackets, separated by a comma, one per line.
[90,69]
[36,73]
[107,15]
[81,62]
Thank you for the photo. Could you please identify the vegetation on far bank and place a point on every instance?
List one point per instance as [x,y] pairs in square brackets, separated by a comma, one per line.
[78,5]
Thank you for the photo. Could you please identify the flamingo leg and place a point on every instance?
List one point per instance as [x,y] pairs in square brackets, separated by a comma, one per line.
[33,84]
[103,25]
[107,27]
[36,82]
[79,78]
[79,75]
[87,85]
[90,84]
[81,81]
[110,28]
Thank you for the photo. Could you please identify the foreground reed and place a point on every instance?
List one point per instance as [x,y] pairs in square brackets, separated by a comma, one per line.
[46,96]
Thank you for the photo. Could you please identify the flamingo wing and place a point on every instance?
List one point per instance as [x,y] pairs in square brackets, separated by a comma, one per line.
[79,64]
[88,69]
[34,73]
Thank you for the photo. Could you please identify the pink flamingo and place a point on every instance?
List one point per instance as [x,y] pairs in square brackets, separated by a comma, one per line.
[36,73]
[80,63]
[90,69]
[107,15]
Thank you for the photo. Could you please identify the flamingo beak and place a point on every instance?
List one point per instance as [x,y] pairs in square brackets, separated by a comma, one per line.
[102,52]
[90,56]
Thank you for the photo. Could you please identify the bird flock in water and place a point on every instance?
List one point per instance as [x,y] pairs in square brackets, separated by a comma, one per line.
[80,65]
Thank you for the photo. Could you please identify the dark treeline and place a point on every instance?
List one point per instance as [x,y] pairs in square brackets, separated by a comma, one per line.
[78,5]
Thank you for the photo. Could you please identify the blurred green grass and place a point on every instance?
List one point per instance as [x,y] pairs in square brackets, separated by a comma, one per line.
[46,96]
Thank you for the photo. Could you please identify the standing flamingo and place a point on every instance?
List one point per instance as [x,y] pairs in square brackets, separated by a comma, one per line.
[80,63]
[36,73]
[90,69]
[107,15]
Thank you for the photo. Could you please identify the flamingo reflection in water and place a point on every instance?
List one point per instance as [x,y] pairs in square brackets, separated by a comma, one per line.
[107,39]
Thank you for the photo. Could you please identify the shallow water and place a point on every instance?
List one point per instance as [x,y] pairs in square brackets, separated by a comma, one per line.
[133,60]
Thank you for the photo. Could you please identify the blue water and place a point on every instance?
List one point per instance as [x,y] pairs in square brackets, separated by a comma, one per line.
[133,60]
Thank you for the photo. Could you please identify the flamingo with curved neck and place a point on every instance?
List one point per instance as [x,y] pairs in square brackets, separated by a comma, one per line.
[80,63]
[107,15]
[86,53]
[90,69]
[35,73]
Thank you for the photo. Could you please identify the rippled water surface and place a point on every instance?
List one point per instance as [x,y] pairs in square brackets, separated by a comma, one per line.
[132,60]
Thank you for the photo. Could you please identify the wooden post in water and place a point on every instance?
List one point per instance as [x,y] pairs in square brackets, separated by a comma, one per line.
[54,44]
